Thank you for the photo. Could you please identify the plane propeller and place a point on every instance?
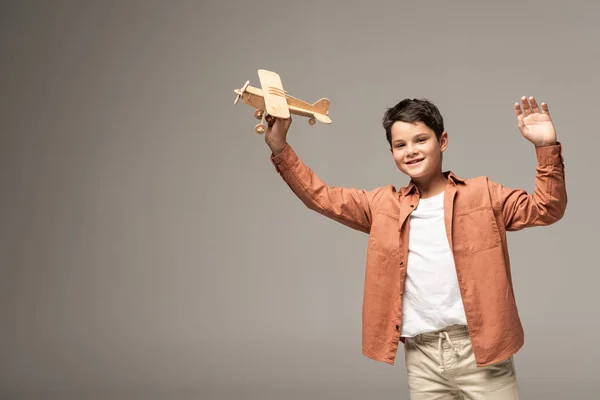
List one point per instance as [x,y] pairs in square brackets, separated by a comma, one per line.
[240,92]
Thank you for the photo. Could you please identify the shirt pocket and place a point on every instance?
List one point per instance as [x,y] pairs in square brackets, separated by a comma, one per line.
[385,235]
[477,229]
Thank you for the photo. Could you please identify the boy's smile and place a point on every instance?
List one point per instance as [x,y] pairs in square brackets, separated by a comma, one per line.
[416,150]
[414,162]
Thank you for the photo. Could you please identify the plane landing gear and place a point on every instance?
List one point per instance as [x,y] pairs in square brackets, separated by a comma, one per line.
[260,129]
[312,121]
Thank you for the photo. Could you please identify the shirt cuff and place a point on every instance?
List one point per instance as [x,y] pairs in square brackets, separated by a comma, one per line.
[283,159]
[550,155]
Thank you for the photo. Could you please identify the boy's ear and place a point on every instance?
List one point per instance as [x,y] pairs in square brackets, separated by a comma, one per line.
[444,141]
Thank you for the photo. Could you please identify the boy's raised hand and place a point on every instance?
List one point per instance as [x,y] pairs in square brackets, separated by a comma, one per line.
[276,134]
[535,124]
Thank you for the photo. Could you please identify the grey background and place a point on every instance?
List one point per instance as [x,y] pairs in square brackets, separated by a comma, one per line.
[148,249]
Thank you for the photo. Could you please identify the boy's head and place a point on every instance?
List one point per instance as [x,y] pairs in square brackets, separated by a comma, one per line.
[414,129]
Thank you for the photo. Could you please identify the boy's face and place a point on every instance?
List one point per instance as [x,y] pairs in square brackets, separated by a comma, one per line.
[416,150]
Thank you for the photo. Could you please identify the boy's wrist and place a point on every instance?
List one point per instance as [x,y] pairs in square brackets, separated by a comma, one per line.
[277,148]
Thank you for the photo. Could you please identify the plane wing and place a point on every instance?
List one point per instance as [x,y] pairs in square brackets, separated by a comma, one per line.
[273,93]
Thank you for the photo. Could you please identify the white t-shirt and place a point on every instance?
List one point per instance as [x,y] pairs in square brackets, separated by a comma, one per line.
[432,298]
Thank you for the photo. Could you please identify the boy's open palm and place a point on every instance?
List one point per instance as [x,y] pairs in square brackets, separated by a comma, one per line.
[535,124]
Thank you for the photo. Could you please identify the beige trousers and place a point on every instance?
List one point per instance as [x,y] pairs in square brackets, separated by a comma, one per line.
[441,365]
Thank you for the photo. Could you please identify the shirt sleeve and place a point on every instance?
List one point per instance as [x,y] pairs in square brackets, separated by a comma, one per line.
[546,205]
[348,206]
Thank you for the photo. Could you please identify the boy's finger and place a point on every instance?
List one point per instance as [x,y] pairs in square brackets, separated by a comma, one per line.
[518,110]
[520,121]
[545,108]
[526,106]
[534,105]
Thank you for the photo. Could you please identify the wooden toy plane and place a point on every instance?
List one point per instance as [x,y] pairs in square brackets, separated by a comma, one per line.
[274,101]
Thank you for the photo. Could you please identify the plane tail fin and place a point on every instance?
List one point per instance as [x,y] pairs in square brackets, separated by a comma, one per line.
[321,106]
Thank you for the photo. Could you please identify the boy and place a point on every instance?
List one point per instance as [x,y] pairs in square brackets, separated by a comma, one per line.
[438,272]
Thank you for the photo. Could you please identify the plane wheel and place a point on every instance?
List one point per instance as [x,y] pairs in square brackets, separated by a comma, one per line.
[312,121]
[260,129]
[258,114]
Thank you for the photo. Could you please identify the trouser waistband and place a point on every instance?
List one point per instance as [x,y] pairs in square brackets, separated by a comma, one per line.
[450,333]
[454,332]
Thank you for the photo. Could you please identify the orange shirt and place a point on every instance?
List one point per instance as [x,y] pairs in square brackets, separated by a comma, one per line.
[477,214]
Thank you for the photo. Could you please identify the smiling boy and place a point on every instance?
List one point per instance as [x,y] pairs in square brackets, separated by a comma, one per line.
[438,271]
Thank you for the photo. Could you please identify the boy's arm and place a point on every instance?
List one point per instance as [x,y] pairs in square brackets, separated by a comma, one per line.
[351,207]
[548,202]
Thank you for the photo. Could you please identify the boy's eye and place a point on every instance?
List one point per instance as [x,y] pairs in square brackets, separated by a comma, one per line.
[399,145]
[421,140]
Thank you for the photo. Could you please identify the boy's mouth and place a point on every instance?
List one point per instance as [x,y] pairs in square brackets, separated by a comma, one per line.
[416,161]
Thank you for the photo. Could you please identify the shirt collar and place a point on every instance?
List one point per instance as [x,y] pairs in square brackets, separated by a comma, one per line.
[452,179]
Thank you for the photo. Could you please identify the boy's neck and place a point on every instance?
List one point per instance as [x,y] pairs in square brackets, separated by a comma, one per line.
[432,186]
